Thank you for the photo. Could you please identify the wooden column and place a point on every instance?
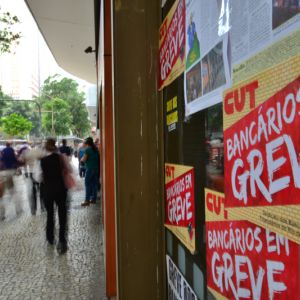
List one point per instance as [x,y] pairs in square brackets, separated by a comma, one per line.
[107,151]
[138,146]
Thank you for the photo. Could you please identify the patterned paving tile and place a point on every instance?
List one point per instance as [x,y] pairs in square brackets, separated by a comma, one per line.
[30,269]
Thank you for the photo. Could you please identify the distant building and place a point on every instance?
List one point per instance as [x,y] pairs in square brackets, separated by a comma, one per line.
[19,72]
[18,79]
[91,105]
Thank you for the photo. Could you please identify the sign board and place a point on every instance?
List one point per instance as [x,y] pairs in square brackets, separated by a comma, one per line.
[178,287]
[172,114]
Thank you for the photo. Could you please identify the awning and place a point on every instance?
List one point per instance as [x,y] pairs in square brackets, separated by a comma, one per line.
[68,28]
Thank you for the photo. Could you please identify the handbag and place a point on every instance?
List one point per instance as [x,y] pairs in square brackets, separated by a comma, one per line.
[69,180]
[67,174]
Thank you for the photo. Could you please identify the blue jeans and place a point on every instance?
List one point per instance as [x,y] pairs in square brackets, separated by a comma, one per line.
[91,184]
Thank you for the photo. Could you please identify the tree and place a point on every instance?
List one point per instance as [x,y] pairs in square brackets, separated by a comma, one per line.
[67,90]
[3,103]
[60,122]
[7,35]
[80,122]
[16,125]
[27,110]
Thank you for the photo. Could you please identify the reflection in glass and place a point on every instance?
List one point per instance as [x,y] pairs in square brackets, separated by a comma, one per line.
[214,148]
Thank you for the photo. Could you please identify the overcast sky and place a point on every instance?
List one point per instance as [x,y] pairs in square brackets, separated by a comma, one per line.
[30,34]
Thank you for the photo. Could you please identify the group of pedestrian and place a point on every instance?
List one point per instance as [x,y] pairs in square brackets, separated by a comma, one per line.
[54,180]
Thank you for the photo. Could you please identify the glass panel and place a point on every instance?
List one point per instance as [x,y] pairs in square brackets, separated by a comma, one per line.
[181,259]
[214,148]
[169,243]
[198,282]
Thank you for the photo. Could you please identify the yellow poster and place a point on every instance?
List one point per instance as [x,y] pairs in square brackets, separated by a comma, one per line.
[262,148]
[172,45]
[180,203]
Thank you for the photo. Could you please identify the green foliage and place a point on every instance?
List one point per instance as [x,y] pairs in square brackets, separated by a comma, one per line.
[61,117]
[80,121]
[7,35]
[3,104]
[15,125]
[27,110]
[67,90]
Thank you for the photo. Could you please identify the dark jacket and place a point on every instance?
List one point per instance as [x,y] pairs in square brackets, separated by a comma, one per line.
[8,158]
[65,150]
[52,174]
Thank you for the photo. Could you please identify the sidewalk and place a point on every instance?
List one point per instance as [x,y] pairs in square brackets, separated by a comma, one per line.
[30,269]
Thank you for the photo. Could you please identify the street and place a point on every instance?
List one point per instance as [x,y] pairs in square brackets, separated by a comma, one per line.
[32,269]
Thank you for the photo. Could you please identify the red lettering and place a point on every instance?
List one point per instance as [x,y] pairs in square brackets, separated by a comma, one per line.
[228,106]
[214,203]
[217,204]
[239,101]
[209,203]
[236,99]
[170,170]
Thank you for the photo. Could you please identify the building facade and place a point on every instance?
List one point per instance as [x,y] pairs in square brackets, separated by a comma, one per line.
[198,118]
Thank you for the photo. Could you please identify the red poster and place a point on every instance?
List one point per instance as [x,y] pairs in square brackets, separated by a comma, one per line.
[246,261]
[262,150]
[180,203]
[172,45]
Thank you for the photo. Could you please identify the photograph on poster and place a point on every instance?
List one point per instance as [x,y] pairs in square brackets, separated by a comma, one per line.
[193,83]
[193,42]
[215,76]
[213,73]
[283,10]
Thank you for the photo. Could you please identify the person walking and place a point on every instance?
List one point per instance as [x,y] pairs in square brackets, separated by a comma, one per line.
[25,148]
[10,164]
[55,191]
[64,149]
[32,159]
[8,157]
[91,160]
